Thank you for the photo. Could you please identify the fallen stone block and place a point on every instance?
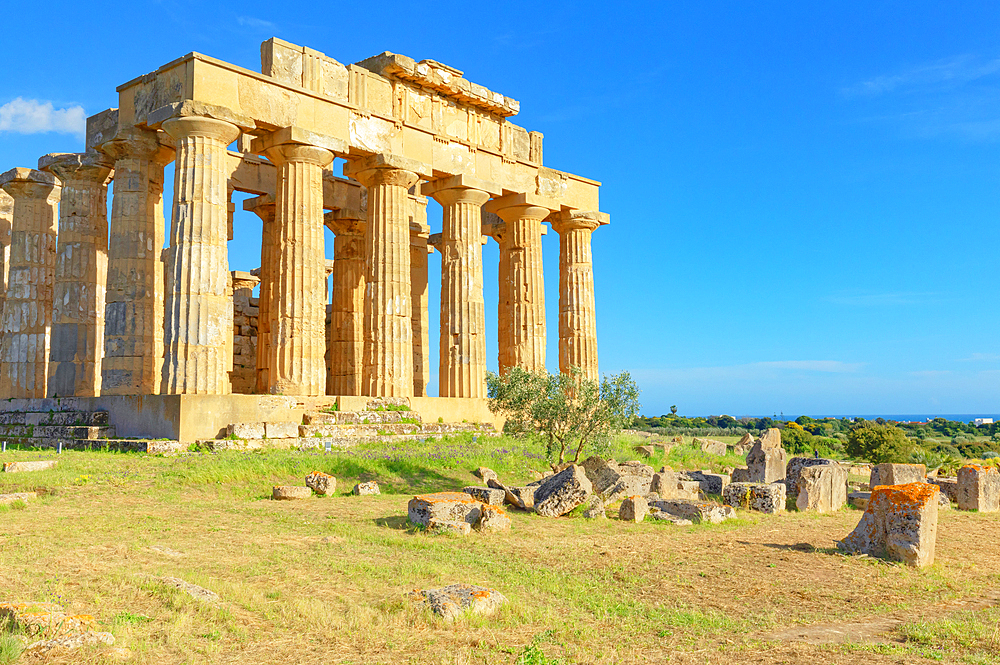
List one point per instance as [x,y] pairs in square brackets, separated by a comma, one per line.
[944,503]
[193,590]
[664,516]
[602,474]
[900,522]
[740,474]
[43,648]
[794,470]
[444,507]
[593,508]
[321,483]
[6,499]
[492,519]
[709,483]
[688,490]
[664,483]
[978,488]
[485,474]
[21,467]
[767,459]
[633,509]
[695,511]
[449,527]
[370,488]
[897,474]
[452,601]
[561,493]
[488,495]
[711,446]
[949,487]
[763,497]
[245,430]
[290,492]
[822,489]
[859,499]
[281,430]
[645,451]
[519,497]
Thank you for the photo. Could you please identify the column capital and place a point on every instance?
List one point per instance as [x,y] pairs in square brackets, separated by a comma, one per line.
[90,166]
[193,109]
[345,222]
[192,125]
[141,144]
[26,183]
[296,135]
[243,280]
[521,200]
[461,181]
[285,153]
[579,219]
[263,206]
[387,169]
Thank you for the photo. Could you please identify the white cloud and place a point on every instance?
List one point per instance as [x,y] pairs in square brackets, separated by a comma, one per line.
[952,71]
[30,116]
[251,22]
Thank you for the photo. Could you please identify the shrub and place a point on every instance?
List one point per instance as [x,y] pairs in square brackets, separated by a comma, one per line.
[878,443]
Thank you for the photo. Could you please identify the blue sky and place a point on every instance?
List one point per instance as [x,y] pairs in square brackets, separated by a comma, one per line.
[804,199]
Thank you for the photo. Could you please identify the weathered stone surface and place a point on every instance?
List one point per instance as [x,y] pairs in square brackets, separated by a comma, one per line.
[449,527]
[321,483]
[20,467]
[794,469]
[978,488]
[859,499]
[944,503]
[561,493]
[452,601]
[488,495]
[519,497]
[688,490]
[193,590]
[949,487]
[281,430]
[664,516]
[645,451]
[444,507]
[709,483]
[366,489]
[635,478]
[767,459]
[664,483]
[593,508]
[822,489]
[762,497]
[633,509]
[745,443]
[603,474]
[900,522]
[246,430]
[711,446]
[6,499]
[485,474]
[695,511]
[290,492]
[740,474]
[897,474]
[493,518]
[577,310]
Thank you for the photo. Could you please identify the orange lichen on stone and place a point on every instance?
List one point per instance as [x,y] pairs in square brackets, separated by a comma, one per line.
[461,497]
[900,522]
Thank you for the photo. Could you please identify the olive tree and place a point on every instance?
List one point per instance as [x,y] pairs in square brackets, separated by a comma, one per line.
[569,412]
[878,442]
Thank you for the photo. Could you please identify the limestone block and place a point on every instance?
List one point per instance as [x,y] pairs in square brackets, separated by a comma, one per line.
[859,499]
[18,467]
[290,492]
[741,474]
[16,496]
[593,508]
[949,487]
[485,474]
[711,446]
[762,497]
[645,451]
[493,519]
[449,528]
[321,483]
[664,516]
[561,493]
[281,430]
[822,488]
[444,507]
[633,509]
[695,511]
[602,474]
[979,488]
[366,489]
[900,522]
[246,430]
[488,495]
[795,466]
[767,459]
[453,601]
[709,483]
[897,474]
[664,483]
[689,490]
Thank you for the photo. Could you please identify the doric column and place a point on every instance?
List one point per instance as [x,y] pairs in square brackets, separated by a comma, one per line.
[27,316]
[6,216]
[263,207]
[419,232]
[347,316]
[577,319]
[463,315]
[522,286]
[198,309]
[388,355]
[133,310]
[495,228]
[297,312]
[81,274]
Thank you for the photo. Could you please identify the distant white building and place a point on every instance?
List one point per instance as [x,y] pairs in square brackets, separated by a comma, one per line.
[982,421]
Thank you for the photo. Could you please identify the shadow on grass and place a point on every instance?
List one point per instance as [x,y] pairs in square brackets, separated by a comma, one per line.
[797,547]
[397,522]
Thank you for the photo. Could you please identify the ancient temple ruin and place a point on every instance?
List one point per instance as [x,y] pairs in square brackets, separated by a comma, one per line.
[113,312]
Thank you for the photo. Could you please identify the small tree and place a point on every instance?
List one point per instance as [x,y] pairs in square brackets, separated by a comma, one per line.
[878,443]
[569,412]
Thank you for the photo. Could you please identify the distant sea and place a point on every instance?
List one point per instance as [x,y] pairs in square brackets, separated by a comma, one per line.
[906,417]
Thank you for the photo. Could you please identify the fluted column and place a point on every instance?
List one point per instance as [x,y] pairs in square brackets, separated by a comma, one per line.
[463,315]
[347,317]
[495,228]
[133,310]
[81,274]
[198,310]
[419,232]
[388,355]
[297,312]
[577,308]
[6,217]
[27,315]
[264,207]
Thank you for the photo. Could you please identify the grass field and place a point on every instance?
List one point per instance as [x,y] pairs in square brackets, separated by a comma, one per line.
[324,580]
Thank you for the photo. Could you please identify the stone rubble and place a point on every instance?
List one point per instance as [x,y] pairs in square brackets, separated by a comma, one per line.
[593,508]
[21,467]
[322,483]
[978,488]
[487,495]
[6,499]
[370,488]
[762,497]
[290,492]
[452,601]
[444,507]
[561,493]
[900,522]
[633,509]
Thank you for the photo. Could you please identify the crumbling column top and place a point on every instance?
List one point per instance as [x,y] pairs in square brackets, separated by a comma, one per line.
[17,181]
[579,219]
[92,166]
[459,182]
[192,109]
[297,135]
[388,161]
